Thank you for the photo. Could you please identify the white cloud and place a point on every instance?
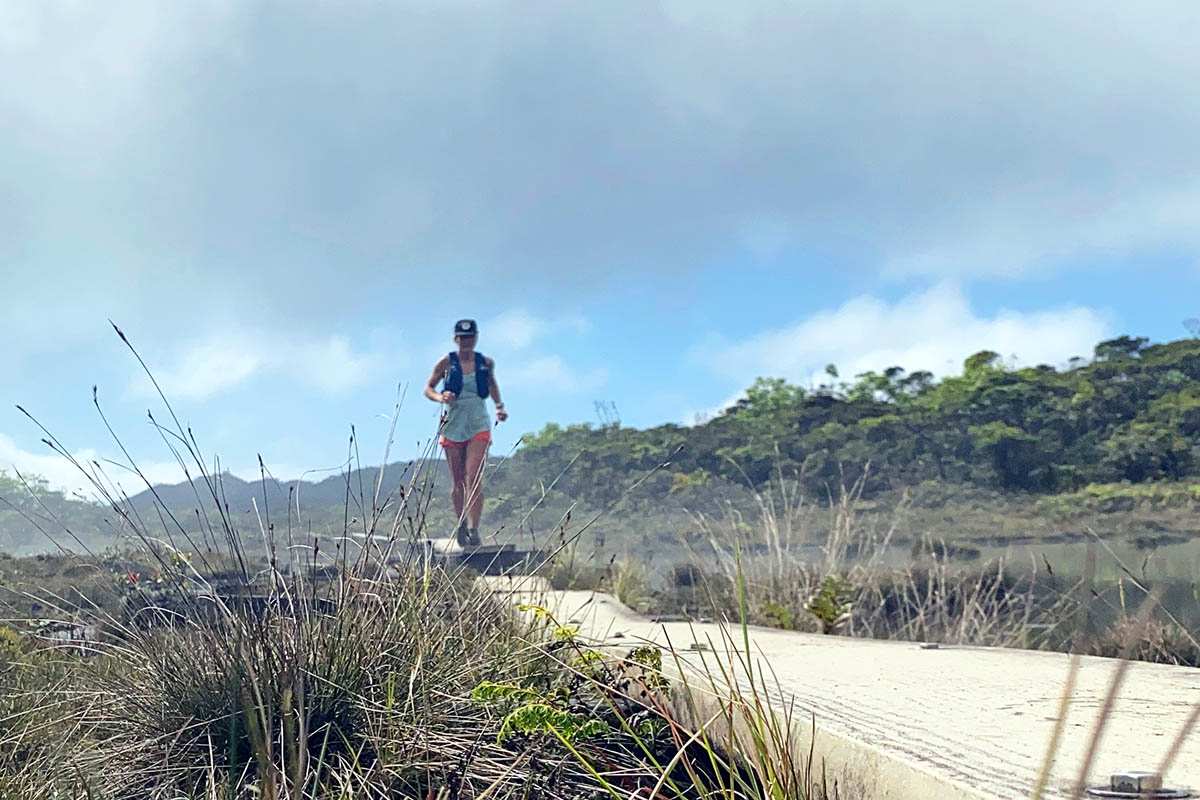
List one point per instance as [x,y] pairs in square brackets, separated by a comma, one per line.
[57,471]
[934,330]
[331,366]
[552,374]
[224,359]
[208,367]
[64,476]
[1017,236]
[951,137]
[517,329]
[691,416]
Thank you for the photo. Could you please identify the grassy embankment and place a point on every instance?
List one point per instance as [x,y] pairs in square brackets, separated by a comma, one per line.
[192,667]
[1051,580]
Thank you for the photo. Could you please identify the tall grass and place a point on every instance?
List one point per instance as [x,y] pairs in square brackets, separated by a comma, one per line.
[280,673]
[265,660]
[849,588]
[371,682]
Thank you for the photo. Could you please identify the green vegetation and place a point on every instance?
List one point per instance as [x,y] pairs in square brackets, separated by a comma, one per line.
[405,681]
[1131,414]
[219,675]
[1112,497]
[373,699]
[994,456]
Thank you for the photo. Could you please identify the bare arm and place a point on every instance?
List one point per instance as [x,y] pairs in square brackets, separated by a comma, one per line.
[494,392]
[439,371]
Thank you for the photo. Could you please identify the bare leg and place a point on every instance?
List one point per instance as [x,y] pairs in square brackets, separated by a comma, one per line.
[456,459]
[476,458]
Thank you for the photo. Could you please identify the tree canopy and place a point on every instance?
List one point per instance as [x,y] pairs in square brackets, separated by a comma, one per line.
[1132,413]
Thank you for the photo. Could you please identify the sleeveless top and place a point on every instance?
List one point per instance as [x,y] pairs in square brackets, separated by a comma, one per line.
[468,415]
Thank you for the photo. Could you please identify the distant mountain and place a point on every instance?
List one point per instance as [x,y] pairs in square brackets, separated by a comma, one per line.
[242,495]
[52,521]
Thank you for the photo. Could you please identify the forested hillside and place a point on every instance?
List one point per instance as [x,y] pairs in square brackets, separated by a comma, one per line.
[1132,413]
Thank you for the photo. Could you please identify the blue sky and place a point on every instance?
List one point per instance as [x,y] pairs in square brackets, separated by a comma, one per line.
[287,205]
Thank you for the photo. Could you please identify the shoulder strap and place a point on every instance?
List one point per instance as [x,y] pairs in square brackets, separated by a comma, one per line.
[482,384]
[454,374]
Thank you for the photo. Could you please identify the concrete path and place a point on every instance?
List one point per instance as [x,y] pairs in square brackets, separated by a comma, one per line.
[896,720]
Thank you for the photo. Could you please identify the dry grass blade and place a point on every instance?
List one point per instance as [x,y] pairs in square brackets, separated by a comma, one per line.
[1060,721]
[1177,743]
[1141,620]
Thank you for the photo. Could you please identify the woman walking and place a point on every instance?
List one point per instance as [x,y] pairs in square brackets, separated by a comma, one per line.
[468,378]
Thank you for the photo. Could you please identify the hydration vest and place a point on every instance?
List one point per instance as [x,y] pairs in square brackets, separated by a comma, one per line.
[454,375]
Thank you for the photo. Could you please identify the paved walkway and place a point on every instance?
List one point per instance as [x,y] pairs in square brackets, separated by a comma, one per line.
[896,720]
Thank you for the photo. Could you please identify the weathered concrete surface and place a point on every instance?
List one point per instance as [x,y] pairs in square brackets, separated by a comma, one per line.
[489,558]
[894,720]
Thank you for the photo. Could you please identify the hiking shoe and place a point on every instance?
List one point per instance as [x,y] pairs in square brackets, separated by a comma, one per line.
[473,536]
[463,535]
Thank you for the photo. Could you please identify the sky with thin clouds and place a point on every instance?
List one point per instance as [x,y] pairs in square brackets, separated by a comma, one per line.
[286,206]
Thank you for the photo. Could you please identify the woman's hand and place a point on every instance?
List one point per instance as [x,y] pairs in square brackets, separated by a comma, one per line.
[501,414]
[448,397]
